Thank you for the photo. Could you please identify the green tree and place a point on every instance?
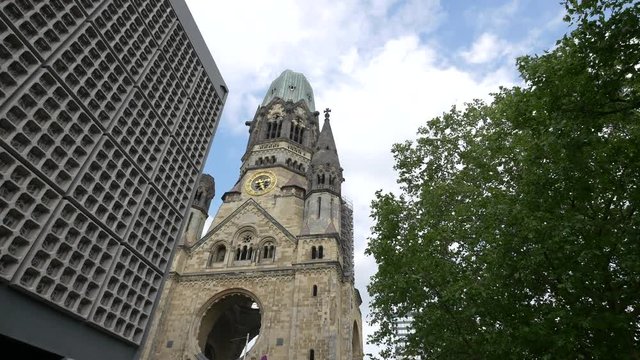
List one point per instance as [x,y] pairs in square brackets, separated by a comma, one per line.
[517,232]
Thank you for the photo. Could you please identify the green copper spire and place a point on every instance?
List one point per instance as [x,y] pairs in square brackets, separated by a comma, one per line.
[291,86]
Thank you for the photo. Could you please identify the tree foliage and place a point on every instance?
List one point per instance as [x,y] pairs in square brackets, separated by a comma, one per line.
[517,232]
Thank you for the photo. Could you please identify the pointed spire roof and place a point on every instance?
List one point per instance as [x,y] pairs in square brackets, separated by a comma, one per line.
[325,150]
[292,86]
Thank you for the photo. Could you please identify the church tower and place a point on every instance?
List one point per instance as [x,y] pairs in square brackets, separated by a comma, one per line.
[275,269]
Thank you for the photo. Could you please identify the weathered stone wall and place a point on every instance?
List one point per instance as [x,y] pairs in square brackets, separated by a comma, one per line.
[289,311]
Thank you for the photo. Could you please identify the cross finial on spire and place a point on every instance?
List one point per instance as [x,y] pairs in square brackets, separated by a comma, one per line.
[326,113]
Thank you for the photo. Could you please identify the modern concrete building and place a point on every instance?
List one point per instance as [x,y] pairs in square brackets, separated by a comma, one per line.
[276,265]
[107,111]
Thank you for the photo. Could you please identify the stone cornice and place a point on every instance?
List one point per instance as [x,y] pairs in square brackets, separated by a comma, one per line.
[335,236]
[307,267]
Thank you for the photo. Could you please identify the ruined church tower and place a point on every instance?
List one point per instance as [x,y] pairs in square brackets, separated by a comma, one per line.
[275,269]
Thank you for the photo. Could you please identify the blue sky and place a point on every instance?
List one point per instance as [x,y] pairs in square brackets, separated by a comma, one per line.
[384,67]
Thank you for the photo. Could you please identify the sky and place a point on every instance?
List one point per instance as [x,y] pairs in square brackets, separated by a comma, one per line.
[384,67]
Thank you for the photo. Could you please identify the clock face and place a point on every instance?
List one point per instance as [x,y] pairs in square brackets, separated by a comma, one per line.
[260,183]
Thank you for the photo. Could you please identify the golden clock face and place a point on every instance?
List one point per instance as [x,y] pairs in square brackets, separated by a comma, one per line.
[260,183]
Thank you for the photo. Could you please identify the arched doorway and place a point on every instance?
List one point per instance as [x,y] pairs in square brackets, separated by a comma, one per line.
[228,325]
[355,343]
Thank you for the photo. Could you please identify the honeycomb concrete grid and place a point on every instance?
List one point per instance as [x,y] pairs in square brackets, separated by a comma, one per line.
[107,111]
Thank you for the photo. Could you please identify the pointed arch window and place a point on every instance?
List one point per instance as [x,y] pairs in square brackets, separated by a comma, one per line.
[321,178]
[274,127]
[296,132]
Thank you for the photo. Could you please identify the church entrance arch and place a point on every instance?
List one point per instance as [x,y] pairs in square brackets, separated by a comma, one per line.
[231,321]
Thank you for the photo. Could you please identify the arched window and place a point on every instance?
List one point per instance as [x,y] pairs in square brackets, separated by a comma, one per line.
[245,249]
[312,355]
[320,254]
[219,254]
[296,133]
[274,126]
[268,251]
[315,290]
[244,253]
[314,254]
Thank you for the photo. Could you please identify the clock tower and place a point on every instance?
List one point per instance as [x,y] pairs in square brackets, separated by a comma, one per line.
[274,272]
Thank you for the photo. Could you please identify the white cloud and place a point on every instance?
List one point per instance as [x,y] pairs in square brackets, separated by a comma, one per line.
[493,18]
[487,47]
[207,224]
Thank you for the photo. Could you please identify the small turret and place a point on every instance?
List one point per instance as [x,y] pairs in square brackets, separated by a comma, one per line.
[199,209]
[323,201]
[325,172]
[205,193]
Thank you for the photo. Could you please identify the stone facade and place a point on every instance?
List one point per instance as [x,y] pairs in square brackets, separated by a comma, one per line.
[276,263]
